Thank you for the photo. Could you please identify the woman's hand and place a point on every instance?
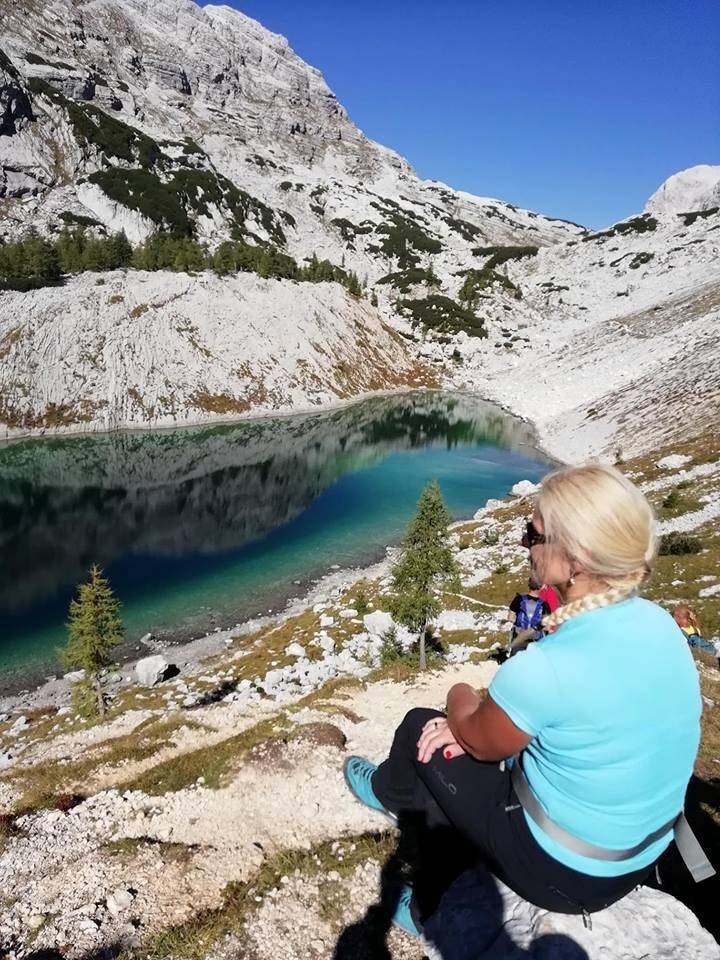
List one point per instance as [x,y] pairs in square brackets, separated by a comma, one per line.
[436,734]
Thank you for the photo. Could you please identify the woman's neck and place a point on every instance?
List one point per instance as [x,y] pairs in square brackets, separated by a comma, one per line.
[584,584]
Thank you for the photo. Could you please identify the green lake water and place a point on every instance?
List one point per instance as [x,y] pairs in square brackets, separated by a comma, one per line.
[202,527]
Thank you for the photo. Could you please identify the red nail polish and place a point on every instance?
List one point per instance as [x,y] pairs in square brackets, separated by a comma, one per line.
[448,754]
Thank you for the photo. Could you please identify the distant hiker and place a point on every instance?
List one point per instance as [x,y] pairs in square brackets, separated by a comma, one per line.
[601,720]
[549,596]
[686,619]
[526,613]
[547,593]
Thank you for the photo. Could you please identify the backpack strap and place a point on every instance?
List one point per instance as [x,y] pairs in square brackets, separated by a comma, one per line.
[687,843]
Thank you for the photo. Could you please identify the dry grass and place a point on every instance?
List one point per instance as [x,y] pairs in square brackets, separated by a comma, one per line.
[222,403]
[127,848]
[193,940]
[215,762]
[41,784]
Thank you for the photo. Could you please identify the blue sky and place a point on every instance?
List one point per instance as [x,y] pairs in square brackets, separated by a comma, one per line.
[574,109]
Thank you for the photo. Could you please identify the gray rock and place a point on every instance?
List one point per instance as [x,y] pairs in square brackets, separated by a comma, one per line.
[119,900]
[348,614]
[480,917]
[152,670]
[20,724]
[377,623]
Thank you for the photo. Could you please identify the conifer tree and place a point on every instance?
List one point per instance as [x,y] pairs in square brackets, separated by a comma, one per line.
[94,630]
[425,566]
[120,250]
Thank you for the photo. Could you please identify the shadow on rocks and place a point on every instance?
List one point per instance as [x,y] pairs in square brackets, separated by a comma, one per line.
[459,900]
[215,695]
[111,952]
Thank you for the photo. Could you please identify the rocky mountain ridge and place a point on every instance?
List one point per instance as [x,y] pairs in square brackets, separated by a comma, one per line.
[108,99]
[173,117]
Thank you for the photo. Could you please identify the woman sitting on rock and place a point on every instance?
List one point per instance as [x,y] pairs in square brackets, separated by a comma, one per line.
[604,713]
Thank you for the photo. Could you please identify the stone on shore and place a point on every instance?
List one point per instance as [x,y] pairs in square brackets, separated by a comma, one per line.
[152,670]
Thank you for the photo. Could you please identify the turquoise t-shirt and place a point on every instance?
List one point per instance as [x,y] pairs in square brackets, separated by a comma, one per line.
[612,701]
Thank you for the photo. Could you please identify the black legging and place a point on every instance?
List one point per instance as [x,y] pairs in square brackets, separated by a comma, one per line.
[464,799]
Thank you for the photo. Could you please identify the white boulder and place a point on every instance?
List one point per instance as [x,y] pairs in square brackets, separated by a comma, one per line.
[456,620]
[75,676]
[20,724]
[348,614]
[295,650]
[151,670]
[524,488]
[673,462]
[710,591]
[378,622]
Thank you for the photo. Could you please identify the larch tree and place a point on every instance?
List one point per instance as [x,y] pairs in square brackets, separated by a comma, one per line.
[425,567]
[94,630]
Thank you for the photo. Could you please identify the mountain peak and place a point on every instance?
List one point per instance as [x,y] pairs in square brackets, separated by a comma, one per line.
[697,188]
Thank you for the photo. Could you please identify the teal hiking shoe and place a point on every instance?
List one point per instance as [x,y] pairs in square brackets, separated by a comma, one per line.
[358,776]
[403,917]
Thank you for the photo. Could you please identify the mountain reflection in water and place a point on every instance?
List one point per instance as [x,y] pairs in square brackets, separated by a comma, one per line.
[200,492]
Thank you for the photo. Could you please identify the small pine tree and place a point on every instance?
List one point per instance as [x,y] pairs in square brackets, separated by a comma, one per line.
[361,603]
[94,630]
[425,565]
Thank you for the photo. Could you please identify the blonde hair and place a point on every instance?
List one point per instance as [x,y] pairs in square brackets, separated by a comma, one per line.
[686,613]
[598,517]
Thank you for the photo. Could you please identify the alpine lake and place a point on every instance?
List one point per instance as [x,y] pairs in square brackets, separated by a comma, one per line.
[202,527]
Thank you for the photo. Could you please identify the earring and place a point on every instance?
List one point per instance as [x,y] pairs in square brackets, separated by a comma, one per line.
[571,581]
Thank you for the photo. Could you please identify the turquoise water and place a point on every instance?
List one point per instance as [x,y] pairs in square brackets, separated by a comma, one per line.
[202,527]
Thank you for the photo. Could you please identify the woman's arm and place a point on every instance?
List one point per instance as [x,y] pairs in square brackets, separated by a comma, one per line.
[481,727]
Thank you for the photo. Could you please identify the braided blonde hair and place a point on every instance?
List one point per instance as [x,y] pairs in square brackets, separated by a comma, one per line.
[598,517]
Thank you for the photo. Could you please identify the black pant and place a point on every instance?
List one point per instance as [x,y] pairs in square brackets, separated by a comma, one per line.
[469,813]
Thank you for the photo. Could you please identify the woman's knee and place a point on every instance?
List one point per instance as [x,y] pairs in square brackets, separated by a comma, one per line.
[415,719]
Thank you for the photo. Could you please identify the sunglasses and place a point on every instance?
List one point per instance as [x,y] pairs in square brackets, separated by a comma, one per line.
[532,535]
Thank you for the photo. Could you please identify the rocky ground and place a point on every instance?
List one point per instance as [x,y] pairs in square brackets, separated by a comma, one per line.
[207,816]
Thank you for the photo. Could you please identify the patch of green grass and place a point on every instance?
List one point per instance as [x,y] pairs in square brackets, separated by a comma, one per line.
[678,501]
[41,784]
[678,544]
[129,847]
[214,762]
